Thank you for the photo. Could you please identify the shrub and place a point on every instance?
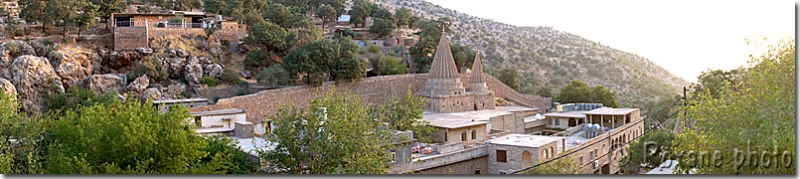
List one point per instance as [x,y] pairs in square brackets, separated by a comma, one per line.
[14,49]
[186,94]
[373,49]
[150,66]
[210,81]
[231,76]
[274,76]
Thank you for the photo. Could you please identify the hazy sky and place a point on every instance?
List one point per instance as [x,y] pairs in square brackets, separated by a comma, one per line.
[685,37]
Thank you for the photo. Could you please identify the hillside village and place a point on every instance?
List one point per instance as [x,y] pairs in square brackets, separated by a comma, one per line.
[405,87]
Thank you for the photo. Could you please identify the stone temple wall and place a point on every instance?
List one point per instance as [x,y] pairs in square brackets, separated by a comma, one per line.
[374,89]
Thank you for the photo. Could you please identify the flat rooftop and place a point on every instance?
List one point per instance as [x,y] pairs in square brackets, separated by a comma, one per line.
[250,144]
[218,112]
[525,140]
[213,130]
[514,108]
[171,101]
[611,111]
[461,119]
[570,114]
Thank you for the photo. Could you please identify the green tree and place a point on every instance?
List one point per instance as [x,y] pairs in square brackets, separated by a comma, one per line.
[382,27]
[430,32]
[564,165]
[402,16]
[151,67]
[387,65]
[509,77]
[23,142]
[66,11]
[326,13]
[311,61]
[274,76]
[544,91]
[107,7]
[143,9]
[278,14]
[412,21]
[227,146]
[345,140]
[85,19]
[76,97]
[754,115]
[647,150]
[579,92]
[463,55]
[405,113]
[99,139]
[35,11]
[713,80]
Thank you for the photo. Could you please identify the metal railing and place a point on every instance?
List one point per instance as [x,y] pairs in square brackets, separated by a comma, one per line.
[124,24]
[180,25]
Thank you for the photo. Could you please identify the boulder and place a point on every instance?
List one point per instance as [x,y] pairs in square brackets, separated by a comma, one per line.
[21,48]
[194,71]
[139,85]
[176,66]
[174,91]
[72,66]
[7,87]
[144,51]
[104,83]
[39,48]
[245,73]
[121,61]
[154,93]
[34,79]
[180,53]
[213,70]
[234,47]
[5,61]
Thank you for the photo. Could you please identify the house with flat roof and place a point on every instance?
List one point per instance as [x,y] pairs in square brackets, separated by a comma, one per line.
[133,30]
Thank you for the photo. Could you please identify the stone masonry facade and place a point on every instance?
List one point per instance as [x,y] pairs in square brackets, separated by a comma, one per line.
[139,35]
[374,89]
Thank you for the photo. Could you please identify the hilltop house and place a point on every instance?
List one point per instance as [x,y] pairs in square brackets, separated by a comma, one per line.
[134,30]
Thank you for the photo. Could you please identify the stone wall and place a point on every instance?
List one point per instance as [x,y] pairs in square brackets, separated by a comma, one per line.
[454,135]
[187,32]
[514,159]
[373,89]
[461,162]
[129,38]
[475,166]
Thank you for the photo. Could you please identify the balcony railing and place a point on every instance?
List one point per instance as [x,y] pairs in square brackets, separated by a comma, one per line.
[124,24]
[180,25]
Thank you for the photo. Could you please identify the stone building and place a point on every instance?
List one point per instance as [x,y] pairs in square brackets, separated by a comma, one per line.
[134,30]
[444,89]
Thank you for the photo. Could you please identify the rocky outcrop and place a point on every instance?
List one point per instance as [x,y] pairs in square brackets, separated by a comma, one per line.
[34,79]
[194,71]
[154,93]
[39,48]
[19,48]
[139,85]
[176,66]
[118,62]
[213,70]
[144,51]
[174,91]
[104,83]
[73,65]
[7,87]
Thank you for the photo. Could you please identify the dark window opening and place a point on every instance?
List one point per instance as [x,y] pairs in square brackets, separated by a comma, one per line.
[501,156]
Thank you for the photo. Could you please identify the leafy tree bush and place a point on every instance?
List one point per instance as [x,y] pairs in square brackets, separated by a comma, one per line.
[76,97]
[210,81]
[509,77]
[659,141]
[405,113]
[101,140]
[382,27]
[227,146]
[578,92]
[387,65]
[348,142]
[274,76]
[150,66]
[231,76]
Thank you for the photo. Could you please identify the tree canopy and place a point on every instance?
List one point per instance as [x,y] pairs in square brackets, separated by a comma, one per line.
[345,140]
[579,92]
[756,115]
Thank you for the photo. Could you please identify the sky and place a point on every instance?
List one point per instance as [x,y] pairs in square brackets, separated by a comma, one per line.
[686,37]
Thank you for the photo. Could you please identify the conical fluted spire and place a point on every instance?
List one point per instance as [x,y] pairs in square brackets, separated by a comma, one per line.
[443,65]
[477,70]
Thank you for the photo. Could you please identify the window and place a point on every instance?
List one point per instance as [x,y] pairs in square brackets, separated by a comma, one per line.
[544,153]
[502,173]
[591,155]
[464,136]
[550,121]
[580,161]
[526,156]
[394,155]
[474,134]
[595,153]
[501,156]
[198,121]
[477,171]
[445,136]
[557,122]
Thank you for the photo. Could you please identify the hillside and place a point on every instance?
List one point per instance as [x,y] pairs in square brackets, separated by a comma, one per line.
[548,57]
